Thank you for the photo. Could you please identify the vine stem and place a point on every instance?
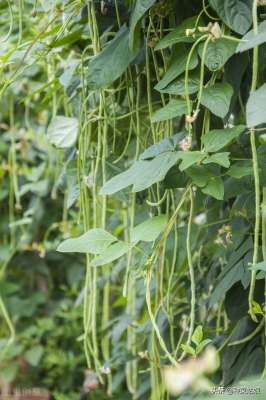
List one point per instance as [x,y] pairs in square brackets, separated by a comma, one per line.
[255,171]
[191,271]
[263,221]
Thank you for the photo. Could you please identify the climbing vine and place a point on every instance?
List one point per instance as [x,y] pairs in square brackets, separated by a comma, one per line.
[133,150]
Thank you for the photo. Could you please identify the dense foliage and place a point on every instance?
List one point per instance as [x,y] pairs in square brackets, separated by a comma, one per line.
[133,195]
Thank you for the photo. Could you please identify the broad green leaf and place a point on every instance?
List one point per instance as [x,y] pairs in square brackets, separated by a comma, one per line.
[142,174]
[177,87]
[199,175]
[141,7]
[217,98]
[176,68]
[197,335]
[261,266]
[8,372]
[63,131]
[34,355]
[188,349]
[240,169]
[168,144]
[218,138]
[251,40]
[218,158]
[149,230]
[178,35]
[175,108]
[237,14]
[110,254]
[202,345]
[218,52]
[113,60]
[95,241]
[215,188]
[256,114]
[226,282]
[189,158]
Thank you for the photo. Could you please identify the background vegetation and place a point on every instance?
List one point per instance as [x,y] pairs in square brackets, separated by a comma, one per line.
[132,196]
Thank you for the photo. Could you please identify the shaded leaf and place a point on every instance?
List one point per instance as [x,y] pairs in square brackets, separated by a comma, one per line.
[141,7]
[217,98]
[237,14]
[178,35]
[176,68]
[175,108]
[240,169]
[111,62]
[251,40]
[217,53]
[256,114]
[142,174]
[189,158]
[215,188]
[218,158]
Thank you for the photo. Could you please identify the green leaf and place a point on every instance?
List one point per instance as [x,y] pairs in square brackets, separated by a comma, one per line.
[256,114]
[141,7]
[63,131]
[149,230]
[110,254]
[257,308]
[218,158]
[251,40]
[218,138]
[177,87]
[217,98]
[215,188]
[237,14]
[217,53]
[113,60]
[176,68]
[175,108]
[261,266]
[188,349]
[94,241]
[178,35]
[142,174]
[189,158]
[202,345]
[199,175]
[240,169]
[9,372]
[34,355]
[197,335]
[165,145]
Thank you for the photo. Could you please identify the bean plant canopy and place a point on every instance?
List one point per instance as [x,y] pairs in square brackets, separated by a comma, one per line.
[133,198]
